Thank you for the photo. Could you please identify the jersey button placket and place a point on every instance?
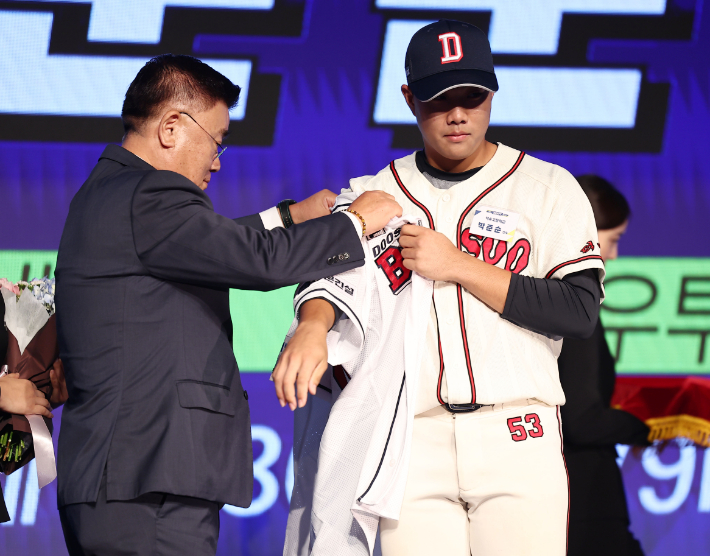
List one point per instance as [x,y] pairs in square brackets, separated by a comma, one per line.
[447,310]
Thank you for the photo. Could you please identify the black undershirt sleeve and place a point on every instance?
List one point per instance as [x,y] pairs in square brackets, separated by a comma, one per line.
[556,308]
[564,308]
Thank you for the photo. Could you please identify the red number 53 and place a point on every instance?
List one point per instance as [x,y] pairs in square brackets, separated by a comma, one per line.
[517,429]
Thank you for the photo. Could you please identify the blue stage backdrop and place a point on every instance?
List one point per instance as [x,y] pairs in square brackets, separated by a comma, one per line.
[619,88]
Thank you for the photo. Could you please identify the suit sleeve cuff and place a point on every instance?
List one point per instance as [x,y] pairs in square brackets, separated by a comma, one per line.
[271,218]
[356,222]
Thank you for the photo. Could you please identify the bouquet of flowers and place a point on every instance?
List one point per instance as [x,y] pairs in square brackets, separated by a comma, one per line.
[32,350]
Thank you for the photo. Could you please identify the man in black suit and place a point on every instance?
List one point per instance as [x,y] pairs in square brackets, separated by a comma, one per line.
[155,437]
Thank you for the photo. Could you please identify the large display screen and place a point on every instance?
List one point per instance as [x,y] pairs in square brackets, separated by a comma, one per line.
[617,88]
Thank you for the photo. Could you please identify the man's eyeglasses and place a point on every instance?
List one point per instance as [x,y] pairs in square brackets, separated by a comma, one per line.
[220,148]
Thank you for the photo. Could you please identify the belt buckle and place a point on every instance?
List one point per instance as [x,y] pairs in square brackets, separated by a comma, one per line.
[462,407]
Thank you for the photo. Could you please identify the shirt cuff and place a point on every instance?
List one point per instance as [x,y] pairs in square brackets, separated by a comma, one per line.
[356,222]
[271,218]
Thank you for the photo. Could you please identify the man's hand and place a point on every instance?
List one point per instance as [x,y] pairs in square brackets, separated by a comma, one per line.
[314,206]
[428,253]
[21,397]
[59,385]
[377,208]
[304,360]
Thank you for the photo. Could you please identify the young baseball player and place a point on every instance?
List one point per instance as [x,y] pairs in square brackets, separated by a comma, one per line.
[510,244]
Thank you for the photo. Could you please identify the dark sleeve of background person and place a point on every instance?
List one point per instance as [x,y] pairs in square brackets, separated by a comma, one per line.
[567,308]
[587,375]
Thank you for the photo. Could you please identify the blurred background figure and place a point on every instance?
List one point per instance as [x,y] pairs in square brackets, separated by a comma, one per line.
[18,395]
[599,517]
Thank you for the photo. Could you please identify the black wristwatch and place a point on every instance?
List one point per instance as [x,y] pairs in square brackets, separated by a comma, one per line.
[285,212]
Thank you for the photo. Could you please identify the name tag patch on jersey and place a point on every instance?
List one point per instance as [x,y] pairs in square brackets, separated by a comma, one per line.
[494,222]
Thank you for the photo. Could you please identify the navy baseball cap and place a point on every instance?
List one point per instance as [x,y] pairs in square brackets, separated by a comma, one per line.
[448,54]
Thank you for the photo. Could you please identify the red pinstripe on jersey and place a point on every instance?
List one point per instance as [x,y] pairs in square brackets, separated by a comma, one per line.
[459,289]
[562,450]
[430,218]
[559,266]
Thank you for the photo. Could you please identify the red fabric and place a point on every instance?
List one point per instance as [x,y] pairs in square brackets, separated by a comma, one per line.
[649,397]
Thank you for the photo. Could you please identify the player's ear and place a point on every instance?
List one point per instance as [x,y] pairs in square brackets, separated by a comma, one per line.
[408,98]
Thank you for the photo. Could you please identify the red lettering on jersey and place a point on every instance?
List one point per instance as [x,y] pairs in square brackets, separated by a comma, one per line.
[449,40]
[518,256]
[500,248]
[471,242]
[494,250]
[392,264]
[589,246]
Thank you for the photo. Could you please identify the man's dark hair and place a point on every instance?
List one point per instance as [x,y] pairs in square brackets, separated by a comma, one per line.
[175,78]
[608,204]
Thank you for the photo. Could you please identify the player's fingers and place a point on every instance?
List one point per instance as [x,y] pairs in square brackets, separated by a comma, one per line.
[317,376]
[409,264]
[407,241]
[290,391]
[304,378]
[278,376]
[307,374]
[411,230]
[289,382]
[277,372]
[409,253]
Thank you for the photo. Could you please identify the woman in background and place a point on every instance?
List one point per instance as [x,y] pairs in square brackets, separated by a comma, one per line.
[599,517]
[21,396]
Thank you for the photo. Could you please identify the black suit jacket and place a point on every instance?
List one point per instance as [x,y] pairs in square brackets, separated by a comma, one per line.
[591,429]
[143,277]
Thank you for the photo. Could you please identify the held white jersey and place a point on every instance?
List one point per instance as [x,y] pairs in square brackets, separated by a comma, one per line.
[363,456]
[518,213]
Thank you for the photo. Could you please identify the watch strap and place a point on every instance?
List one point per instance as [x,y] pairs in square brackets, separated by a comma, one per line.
[285,212]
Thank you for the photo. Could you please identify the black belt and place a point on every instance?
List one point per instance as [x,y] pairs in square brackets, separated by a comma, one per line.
[463,407]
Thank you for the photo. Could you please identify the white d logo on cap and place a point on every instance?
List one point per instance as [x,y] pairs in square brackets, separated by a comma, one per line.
[450,54]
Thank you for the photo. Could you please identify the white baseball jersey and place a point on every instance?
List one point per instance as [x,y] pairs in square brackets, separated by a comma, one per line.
[362,463]
[473,355]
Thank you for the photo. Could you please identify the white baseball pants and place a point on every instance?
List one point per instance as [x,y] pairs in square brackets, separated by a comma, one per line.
[488,483]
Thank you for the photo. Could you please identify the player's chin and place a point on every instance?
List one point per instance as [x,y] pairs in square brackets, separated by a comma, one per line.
[457,149]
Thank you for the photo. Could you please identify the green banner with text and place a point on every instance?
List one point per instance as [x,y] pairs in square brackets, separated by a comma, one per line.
[657,313]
